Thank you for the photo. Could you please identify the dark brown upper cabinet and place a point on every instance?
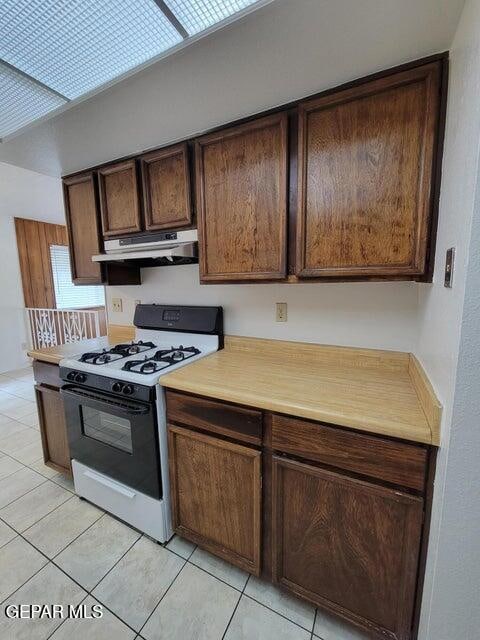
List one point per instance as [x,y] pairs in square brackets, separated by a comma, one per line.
[166,188]
[119,199]
[241,186]
[80,199]
[365,164]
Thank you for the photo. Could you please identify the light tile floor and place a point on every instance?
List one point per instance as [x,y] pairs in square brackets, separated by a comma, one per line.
[57,549]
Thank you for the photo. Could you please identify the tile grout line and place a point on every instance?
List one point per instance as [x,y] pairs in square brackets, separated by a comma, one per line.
[216,577]
[277,612]
[314,621]
[6,455]
[64,620]
[23,583]
[87,591]
[53,511]
[161,599]
[236,606]
[113,567]
[23,494]
[42,517]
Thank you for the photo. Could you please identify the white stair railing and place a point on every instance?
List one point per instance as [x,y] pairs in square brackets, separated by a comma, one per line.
[49,327]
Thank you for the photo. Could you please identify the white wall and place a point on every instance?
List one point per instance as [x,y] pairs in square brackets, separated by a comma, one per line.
[379,315]
[451,605]
[12,326]
[23,194]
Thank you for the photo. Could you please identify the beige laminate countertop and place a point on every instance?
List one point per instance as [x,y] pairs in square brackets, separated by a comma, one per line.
[57,353]
[380,392]
[116,334]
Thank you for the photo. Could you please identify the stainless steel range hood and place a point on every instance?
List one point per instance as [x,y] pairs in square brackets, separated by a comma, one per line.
[153,249]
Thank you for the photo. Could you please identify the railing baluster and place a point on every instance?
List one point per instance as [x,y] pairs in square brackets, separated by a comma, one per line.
[49,327]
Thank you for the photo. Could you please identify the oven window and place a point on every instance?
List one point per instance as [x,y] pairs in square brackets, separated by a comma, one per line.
[105,427]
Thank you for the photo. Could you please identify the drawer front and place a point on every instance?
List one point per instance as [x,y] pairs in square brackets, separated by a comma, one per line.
[132,506]
[217,417]
[396,462]
[47,373]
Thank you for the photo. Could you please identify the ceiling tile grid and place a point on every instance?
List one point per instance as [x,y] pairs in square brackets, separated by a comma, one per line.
[54,52]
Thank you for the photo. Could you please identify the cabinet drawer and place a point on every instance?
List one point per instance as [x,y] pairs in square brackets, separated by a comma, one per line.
[217,417]
[397,462]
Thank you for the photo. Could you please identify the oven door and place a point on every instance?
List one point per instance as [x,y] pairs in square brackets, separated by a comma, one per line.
[116,436]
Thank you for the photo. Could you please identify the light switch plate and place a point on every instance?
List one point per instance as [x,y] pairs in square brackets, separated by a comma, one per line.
[449,265]
[117,305]
[281,312]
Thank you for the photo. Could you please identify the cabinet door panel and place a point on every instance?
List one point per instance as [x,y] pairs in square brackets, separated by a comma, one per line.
[166,188]
[216,495]
[347,545]
[366,157]
[241,177]
[83,224]
[119,200]
[53,428]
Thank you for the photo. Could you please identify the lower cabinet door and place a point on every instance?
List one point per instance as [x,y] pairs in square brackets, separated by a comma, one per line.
[53,429]
[347,545]
[216,495]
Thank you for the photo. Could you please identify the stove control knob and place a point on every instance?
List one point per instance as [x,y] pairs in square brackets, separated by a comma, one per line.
[71,375]
[80,377]
[117,387]
[128,389]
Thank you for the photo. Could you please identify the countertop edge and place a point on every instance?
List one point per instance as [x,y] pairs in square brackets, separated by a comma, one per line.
[258,402]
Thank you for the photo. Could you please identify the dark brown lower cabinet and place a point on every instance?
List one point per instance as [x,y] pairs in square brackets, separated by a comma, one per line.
[216,495]
[348,545]
[342,512]
[53,428]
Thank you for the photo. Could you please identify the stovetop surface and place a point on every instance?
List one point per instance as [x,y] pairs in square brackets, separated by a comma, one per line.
[144,360]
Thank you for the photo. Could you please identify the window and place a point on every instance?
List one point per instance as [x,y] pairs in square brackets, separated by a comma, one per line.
[67,295]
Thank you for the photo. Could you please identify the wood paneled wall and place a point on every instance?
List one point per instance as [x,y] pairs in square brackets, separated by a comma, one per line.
[33,241]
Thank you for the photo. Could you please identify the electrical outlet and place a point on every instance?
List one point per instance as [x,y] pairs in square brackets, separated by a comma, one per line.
[117,305]
[281,312]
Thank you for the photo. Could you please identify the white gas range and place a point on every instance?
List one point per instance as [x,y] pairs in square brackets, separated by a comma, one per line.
[116,415]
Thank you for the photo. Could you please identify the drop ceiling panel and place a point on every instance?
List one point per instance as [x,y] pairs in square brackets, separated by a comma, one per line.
[74,46]
[198,15]
[22,101]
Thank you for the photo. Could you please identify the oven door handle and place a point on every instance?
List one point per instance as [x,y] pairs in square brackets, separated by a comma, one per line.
[129,408]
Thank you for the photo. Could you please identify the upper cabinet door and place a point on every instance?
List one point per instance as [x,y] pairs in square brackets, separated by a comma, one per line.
[366,158]
[119,201]
[81,212]
[241,184]
[166,188]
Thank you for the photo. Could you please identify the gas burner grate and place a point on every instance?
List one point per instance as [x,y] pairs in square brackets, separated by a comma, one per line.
[162,359]
[118,352]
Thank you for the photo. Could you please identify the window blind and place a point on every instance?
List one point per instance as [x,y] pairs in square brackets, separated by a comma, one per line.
[67,295]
